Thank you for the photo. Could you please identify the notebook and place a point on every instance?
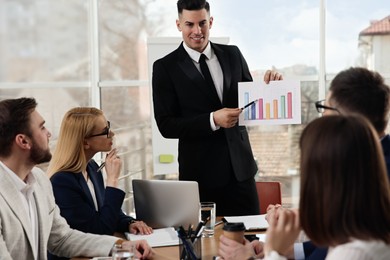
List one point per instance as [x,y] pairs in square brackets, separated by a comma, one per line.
[166,203]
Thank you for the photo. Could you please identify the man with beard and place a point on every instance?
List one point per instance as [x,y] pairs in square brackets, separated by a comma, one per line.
[30,222]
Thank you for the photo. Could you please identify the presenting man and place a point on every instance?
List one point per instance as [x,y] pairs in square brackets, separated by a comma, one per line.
[195,95]
[30,222]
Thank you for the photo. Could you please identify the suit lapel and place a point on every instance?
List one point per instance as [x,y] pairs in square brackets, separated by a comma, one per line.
[94,176]
[10,194]
[188,67]
[84,186]
[224,62]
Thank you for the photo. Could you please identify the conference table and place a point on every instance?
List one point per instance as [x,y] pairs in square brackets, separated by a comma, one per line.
[209,247]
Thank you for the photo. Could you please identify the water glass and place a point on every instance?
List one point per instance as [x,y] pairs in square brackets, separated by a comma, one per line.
[207,215]
[119,253]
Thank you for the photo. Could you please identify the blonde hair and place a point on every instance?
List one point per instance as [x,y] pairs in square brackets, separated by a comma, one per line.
[77,124]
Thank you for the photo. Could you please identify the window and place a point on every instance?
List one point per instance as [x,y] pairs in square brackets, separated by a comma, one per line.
[70,53]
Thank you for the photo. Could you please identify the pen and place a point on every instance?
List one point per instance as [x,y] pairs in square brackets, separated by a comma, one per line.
[189,232]
[101,166]
[249,104]
[199,228]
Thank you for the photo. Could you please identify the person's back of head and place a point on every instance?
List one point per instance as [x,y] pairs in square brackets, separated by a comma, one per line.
[14,120]
[345,192]
[359,90]
[77,124]
[192,5]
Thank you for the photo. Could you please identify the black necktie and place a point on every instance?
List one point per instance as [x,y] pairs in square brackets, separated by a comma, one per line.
[205,70]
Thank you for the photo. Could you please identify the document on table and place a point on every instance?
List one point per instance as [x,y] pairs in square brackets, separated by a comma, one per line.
[252,222]
[159,237]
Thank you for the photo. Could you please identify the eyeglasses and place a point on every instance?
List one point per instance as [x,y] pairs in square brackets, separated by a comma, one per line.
[106,131]
[321,107]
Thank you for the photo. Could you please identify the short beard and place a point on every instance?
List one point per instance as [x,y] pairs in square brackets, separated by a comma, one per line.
[39,155]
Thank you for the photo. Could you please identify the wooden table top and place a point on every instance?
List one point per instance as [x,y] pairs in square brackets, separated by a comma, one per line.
[209,248]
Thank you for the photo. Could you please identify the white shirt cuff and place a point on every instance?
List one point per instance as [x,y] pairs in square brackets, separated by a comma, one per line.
[299,254]
[273,255]
[212,124]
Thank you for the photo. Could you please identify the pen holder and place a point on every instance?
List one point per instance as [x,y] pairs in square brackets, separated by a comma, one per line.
[190,248]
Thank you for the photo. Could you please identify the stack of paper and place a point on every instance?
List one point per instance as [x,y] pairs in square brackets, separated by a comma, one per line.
[159,237]
[252,222]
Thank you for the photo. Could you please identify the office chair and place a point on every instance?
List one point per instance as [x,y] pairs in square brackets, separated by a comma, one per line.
[268,192]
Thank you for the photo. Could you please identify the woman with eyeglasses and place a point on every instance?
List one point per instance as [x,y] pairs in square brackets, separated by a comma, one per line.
[77,181]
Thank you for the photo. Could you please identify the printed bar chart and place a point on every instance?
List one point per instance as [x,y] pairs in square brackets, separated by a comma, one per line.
[277,103]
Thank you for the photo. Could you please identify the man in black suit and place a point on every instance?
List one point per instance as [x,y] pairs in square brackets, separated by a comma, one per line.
[199,106]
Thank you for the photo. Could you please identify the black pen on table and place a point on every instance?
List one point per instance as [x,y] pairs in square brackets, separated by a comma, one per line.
[249,104]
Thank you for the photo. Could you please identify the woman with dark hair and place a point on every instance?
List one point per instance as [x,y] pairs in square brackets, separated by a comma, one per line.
[345,194]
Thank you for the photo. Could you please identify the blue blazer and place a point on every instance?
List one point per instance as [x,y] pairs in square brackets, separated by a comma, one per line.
[74,199]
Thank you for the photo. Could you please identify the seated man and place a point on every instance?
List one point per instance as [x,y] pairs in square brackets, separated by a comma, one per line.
[30,221]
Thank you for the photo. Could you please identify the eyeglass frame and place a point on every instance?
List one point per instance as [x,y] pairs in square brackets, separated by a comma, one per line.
[319,106]
[106,131]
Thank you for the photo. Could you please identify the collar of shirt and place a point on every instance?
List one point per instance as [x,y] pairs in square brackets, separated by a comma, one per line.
[27,188]
[195,55]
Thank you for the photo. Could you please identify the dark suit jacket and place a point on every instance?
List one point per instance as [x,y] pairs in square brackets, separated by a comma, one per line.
[314,253]
[74,199]
[182,106]
[386,152]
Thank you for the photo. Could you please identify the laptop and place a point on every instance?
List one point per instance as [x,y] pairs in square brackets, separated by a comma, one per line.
[166,203]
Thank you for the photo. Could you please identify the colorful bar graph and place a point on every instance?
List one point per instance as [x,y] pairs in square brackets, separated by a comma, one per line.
[276,109]
[275,103]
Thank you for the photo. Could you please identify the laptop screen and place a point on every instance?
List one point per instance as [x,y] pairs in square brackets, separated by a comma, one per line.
[166,203]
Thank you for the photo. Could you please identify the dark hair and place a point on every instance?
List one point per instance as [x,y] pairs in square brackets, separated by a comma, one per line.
[192,5]
[14,120]
[362,91]
[345,191]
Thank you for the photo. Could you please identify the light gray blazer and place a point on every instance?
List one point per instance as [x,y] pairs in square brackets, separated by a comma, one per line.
[55,234]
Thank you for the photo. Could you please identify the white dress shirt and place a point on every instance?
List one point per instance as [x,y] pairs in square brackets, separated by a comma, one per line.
[215,71]
[356,250]
[360,250]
